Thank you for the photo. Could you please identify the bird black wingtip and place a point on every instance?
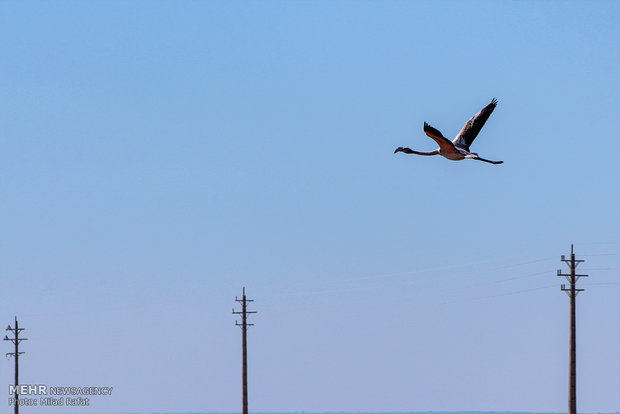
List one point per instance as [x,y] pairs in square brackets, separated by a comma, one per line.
[494,102]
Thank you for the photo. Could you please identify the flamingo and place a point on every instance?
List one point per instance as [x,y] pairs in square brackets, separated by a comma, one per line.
[459,148]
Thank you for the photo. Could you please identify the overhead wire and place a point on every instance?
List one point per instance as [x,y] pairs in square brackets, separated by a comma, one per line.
[426,272]
[516,292]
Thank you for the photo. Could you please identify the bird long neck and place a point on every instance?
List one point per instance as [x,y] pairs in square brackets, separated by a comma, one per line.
[436,152]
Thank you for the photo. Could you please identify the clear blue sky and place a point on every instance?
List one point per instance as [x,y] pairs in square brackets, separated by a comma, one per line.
[159,156]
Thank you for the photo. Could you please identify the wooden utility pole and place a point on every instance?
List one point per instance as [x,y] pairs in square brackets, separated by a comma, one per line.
[16,340]
[244,343]
[572,293]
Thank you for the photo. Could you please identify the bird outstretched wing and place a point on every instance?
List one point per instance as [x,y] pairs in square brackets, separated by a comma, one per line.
[444,143]
[470,130]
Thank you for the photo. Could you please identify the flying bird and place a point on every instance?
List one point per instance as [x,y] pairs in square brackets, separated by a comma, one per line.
[458,149]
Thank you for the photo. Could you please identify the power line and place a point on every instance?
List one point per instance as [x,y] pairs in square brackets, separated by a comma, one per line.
[478,298]
[409,282]
[602,254]
[425,273]
[601,268]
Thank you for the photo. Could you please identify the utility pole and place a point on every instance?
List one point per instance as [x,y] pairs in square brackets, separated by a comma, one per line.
[16,340]
[244,341]
[572,293]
